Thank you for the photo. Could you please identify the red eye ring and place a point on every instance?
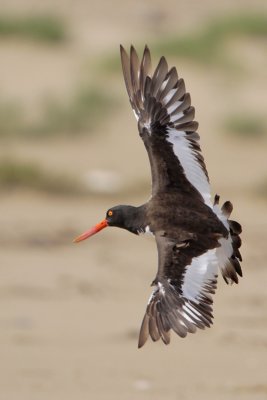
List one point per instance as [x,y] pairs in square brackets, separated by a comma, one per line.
[110,213]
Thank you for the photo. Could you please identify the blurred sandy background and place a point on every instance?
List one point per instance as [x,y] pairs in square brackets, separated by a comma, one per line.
[69,149]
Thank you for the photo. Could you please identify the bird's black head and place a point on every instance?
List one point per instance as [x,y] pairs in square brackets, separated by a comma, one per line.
[125,217]
[121,216]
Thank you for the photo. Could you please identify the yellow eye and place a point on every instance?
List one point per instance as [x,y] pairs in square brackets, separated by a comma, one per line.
[110,213]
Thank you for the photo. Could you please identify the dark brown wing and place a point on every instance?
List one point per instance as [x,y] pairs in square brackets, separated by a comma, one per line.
[166,124]
[181,300]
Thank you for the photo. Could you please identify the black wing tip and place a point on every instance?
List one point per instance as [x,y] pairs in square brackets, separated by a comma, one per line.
[132,51]
[162,59]
[232,269]
[164,336]
[146,47]
[141,344]
[146,52]
[122,49]
[124,57]
[167,311]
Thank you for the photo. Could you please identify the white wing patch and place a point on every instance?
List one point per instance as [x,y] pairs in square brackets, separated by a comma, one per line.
[172,108]
[190,313]
[169,96]
[202,269]
[135,114]
[192,169]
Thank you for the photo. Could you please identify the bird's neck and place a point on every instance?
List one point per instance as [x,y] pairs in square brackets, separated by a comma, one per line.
[136,221]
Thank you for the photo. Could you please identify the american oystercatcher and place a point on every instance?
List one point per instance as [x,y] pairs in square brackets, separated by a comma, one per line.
[194,236]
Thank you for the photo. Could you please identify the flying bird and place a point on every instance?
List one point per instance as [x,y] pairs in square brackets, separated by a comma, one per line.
[194,236]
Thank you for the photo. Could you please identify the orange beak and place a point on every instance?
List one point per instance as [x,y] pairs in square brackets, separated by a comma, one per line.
[97,228]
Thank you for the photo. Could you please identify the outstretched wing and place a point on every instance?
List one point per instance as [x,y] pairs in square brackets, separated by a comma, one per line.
[181,300]
[166,124]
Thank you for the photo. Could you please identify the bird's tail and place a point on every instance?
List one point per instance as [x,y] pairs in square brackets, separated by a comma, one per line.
[228,253]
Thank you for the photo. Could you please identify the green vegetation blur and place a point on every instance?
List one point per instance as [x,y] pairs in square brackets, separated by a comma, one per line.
[92,99]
